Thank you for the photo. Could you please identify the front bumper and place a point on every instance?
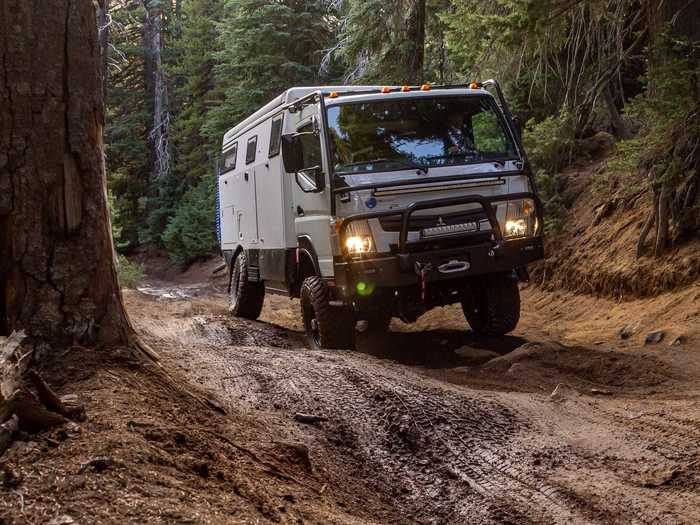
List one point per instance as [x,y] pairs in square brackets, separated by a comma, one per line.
[396,271]
[451,258]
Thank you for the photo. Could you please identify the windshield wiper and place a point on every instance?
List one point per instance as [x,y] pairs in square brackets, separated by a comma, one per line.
[404,162]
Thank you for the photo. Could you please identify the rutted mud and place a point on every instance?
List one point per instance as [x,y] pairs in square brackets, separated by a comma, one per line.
[450,429]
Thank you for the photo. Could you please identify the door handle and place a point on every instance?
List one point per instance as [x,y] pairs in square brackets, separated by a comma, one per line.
[245,176]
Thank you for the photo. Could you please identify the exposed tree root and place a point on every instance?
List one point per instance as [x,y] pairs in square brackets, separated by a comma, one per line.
[674,175]
[20,407]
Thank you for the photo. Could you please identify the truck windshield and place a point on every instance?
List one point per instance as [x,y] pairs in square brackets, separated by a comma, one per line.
[416,133]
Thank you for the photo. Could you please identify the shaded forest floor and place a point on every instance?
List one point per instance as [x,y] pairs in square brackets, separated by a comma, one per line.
[563,421]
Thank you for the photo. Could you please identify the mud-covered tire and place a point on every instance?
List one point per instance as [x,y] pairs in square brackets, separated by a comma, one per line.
[326,326]
[245,297]
[493,306]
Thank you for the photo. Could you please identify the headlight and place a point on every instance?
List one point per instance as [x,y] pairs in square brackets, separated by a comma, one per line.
[517,218]
[358,238]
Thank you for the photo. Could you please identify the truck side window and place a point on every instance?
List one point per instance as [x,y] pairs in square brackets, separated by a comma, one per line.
[250,150]
[489,136]
[230,158]
[275,136]
[310,146]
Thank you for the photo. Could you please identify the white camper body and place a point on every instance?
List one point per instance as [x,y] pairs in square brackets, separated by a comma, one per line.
[373,236]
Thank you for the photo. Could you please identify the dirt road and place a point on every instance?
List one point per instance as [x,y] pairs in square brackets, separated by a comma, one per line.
[444,428]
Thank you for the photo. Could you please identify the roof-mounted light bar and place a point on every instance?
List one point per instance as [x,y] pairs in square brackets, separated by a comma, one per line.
[406,89]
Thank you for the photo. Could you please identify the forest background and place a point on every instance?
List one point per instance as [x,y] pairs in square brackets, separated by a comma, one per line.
[578,73]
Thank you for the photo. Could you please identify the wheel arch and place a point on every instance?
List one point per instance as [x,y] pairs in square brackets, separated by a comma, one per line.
[307,263]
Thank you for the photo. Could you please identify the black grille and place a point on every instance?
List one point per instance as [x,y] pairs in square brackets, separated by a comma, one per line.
[416,222]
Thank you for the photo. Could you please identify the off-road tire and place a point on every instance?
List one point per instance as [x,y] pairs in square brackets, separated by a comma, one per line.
[493,307]
[245,297]
[326,326]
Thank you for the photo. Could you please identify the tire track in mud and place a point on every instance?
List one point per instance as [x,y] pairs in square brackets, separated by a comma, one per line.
[611,482]
[441,453]
[444,453]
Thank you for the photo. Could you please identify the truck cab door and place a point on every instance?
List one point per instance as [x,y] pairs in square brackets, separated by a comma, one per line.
[311,207]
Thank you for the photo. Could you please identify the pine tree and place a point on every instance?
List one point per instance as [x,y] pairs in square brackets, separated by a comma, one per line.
[190,63]
[194,89]
[267,46]
[385,40]
[128,120]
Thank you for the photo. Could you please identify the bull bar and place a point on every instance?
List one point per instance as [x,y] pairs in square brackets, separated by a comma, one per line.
[397,268]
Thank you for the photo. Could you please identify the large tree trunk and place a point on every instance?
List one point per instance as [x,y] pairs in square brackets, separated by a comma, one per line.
[57,278]
[415,35]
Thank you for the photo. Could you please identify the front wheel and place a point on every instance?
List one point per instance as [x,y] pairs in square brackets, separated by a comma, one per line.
[326,326]
[492,307]
[245,297]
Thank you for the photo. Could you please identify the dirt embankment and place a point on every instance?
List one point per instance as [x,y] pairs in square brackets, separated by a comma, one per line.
[596,253]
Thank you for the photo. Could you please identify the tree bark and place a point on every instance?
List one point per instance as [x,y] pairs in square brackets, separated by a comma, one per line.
[156,88]
[415,35]
[103,23]
[58,278]
[619,126]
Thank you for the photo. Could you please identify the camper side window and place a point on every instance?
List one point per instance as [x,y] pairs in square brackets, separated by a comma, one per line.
[275,136]
[250,150]
[230,158]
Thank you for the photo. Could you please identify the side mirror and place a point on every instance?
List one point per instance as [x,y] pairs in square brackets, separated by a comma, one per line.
[311,180]
[292,155]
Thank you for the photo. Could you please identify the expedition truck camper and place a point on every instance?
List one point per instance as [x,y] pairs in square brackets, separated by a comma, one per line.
[371,202]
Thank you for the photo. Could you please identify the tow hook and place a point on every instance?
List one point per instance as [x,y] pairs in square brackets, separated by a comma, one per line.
[422,270]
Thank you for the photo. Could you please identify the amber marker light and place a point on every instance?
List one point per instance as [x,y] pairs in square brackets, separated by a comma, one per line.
[473,85]
[405,89]
[386,90]
[333,94]
[425,87]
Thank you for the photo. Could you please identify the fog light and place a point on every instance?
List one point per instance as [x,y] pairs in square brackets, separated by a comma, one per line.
[364,289]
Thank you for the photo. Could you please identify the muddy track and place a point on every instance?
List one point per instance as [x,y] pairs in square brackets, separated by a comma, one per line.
[449,453]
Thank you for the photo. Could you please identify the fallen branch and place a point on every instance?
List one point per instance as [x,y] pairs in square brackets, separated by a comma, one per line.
[270,468]
[309,418]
